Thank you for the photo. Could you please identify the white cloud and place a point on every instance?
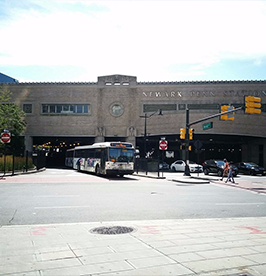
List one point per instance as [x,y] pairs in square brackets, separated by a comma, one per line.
[143,38]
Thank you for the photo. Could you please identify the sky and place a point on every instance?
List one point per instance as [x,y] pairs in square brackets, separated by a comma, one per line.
[154,40]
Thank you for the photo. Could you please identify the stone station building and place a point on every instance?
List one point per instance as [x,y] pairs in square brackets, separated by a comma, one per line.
[62,115]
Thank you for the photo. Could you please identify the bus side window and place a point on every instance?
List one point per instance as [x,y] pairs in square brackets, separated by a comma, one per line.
[90,153]
[104,155]
[98,153]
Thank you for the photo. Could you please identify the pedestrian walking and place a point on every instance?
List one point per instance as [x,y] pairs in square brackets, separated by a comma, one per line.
[226,169]
[230,174]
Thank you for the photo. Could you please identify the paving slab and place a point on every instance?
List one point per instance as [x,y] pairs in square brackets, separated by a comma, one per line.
[184,247]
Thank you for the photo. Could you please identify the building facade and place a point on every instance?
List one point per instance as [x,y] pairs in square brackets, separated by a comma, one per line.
[62,115]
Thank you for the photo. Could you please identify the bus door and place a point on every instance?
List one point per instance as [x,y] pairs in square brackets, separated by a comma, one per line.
[103,158]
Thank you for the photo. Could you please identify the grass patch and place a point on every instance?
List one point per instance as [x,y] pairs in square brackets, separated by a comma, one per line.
[19,163]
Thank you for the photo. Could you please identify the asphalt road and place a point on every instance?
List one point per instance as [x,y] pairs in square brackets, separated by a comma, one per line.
[63,196]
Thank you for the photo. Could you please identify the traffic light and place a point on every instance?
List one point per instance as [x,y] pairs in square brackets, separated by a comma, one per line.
[191,132]
[252,105]
[182,133]
[224,108]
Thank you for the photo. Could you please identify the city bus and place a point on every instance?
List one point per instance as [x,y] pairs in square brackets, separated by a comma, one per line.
[106,158]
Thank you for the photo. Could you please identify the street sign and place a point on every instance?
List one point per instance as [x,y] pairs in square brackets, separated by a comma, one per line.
[207,125]
[198,144]
[5,137]
[163,144]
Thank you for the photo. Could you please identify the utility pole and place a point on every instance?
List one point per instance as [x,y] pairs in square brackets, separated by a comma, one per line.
[187,171]
[188,125]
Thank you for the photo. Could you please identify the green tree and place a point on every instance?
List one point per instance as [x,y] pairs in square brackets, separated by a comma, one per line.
[12,118]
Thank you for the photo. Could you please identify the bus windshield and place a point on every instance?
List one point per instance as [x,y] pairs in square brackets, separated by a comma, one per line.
[121,154]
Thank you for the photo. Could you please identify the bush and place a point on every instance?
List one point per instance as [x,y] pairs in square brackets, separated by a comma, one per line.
[19,163]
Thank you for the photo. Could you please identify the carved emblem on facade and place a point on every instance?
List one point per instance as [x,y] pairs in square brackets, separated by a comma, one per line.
[116,109]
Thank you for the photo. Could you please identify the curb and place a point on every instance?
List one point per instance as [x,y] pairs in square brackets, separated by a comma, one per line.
[150,176]
[192,180]
[185,179]
[21,172]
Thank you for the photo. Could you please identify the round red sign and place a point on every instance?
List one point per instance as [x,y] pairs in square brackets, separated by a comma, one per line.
[5,137]
[163,145]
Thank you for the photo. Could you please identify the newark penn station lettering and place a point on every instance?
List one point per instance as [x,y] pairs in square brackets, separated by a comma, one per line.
[179,94]
[118,108]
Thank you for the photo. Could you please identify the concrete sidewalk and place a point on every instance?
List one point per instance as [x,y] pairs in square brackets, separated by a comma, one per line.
[205,247]
[258,186]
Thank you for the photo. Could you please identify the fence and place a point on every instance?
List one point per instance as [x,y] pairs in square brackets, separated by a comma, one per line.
[16,162]
[147,166]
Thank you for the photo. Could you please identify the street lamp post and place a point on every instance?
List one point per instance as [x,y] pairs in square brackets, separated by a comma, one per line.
[146,116]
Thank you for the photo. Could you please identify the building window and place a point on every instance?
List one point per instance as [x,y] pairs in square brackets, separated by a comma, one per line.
[203,106]
[65,108]
[182,107]
[155,107]
[27,108]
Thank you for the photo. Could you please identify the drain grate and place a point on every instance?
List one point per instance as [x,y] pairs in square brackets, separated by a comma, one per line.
[112,230]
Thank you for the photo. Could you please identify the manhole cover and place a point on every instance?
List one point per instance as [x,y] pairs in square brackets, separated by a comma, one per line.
[112,230]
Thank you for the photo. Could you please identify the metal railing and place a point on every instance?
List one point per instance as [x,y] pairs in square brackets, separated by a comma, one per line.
[148,166]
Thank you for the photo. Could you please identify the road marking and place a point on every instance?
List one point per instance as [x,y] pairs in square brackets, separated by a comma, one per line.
[241,203]
[62,207]
[254,230]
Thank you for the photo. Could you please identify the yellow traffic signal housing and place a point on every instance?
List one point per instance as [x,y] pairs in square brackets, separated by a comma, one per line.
[224,108]
[182,133]
[252,105]
[191,131]
[189,148]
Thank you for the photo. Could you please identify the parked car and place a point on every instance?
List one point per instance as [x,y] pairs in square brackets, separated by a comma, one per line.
[179,165]
[250,168]
[217,167]
[163,166]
